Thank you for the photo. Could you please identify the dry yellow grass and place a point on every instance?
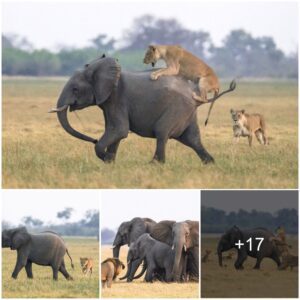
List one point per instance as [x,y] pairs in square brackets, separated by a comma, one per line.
[140,289]
[38,153]
[217,282]
[42,286]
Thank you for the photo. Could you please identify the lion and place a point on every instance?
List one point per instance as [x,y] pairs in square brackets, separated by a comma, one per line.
[288,260]
[248,125]
[110,269]
[206,255]
[86,265]
[181,62]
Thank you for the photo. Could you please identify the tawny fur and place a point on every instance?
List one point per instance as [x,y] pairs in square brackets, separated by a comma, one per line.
[206,256]
[86,265]
[248,125]
[110,269]
[288,260]
[181,62]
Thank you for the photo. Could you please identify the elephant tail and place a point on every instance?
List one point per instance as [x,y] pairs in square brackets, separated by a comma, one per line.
[72,265]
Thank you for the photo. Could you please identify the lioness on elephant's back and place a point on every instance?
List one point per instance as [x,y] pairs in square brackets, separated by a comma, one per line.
[131,101]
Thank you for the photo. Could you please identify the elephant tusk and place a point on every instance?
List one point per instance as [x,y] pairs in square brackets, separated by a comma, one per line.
[184,247]
[173,247]
[58,109]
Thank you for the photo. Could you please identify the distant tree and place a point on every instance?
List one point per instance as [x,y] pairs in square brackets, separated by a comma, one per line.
[104,44]
[65,214]
[31,222]
[147,30]
[107,236]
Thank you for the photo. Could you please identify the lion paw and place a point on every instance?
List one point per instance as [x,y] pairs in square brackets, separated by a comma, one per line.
[153,76]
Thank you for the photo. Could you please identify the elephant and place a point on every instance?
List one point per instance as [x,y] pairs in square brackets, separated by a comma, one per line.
[156,256]
[183,237]
[45,249]
[129,231]
[234,235]
[131,101]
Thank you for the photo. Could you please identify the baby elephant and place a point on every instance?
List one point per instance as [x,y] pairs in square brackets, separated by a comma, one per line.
[110,269]
[44,249]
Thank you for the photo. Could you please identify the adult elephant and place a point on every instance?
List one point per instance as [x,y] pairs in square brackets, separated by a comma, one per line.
[160,109]
[45,249]
[183,237]
[258,249]
[129,231]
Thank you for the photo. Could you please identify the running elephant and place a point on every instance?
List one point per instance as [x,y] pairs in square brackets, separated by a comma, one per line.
[162,109]
[44,249]
[259,248]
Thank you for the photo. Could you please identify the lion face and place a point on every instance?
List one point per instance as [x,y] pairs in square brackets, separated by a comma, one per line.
[152,56]
[238,116]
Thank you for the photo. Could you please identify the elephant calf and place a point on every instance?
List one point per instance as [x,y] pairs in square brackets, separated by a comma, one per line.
[44,249]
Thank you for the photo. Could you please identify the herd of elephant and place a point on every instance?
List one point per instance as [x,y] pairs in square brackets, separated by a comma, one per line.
[168,250]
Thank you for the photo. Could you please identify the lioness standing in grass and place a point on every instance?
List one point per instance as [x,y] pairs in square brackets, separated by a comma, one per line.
[248,125]
[181,62]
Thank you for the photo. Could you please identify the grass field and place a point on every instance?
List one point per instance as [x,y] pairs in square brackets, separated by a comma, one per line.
[38,153]
[140,289]
[268,282]
[42,286]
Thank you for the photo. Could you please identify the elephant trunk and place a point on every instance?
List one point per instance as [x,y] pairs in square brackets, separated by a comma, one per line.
[63,119]
[129,267]
[116,251]
[142,272]
[178,247]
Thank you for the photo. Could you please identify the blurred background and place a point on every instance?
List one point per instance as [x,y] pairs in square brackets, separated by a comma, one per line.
[237,39]
[62,212]
[220,210]
[158,205]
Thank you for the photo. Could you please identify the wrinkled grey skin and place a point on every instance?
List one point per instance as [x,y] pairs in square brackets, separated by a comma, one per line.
[183,237]
[44,249]
[234,234]
[162,109]
[129,231]
[186,238]
[157,256]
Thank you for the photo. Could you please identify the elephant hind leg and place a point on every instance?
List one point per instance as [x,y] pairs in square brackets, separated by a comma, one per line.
[191,138]
[258,262]
[28,269]
[55,273]
[63,270]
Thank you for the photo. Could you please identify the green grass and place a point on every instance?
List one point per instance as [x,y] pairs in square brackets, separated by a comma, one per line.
[38,153]
[42,286]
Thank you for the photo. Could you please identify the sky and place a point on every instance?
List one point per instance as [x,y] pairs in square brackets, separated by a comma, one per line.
[268,201]
[44,204]
[118,206]
[75,23]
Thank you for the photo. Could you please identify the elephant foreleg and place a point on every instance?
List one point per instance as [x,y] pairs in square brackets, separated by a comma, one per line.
[28,269]
[21,262]
[149,274]
[110,140]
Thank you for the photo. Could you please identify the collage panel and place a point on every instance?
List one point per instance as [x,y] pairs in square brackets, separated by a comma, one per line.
[249,244]
[50,244]
[150,243]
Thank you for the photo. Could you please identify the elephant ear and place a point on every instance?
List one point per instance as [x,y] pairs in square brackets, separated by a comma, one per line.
[104,76]
[162,232]
[136,229]
[194,231]
[19,237]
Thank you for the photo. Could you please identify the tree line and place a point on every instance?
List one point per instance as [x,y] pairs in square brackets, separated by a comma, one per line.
[218,221]
[87,226]
[240,55]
